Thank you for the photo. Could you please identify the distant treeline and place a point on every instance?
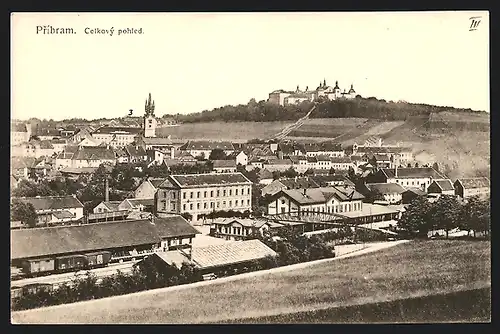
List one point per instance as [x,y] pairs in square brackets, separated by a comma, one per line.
[252,111]
[358,108]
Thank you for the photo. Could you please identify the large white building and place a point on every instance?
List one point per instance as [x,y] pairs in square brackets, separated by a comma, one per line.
[298,96]
[204,193]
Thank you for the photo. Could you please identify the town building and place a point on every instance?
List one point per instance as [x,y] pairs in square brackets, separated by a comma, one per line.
[116,136]
[442,187]
[20,167]
[134,154]
[33,148]
[137,205]
[19,133]
[265,176]
[237,229]
[286,184]
[148,188]
[198,194]
[420,177]
[239,157]
[331,149]
[477,186]
[55,209]
[411,194]
[224,166]
[92,157]
[326,199]
[203,148]
[279,165]
[388,192]
[109,206]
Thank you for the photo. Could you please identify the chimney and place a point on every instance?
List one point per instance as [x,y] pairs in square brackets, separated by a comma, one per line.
[280,155]
[106,190]
[172,152]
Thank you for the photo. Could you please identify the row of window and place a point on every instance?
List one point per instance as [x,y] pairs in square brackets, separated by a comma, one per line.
[234,230]
[348,207]
[213,193]
[413,183]
[211,205]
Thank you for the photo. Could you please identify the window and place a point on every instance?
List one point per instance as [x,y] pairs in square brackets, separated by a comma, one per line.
[236,192]
[184,195]
[184,207]
[173,195]
[224,192]
[164,206]
[248,202]
[198,205]
[230,203]
[204,194]
[248,192]
[198,194]
[218,205]
[218,193]
[211,193]
[230,192]
[191,206]
[224,204]
[211,205]
[164,194]
[236,203]
[191,194]
[205,205]
[173,206]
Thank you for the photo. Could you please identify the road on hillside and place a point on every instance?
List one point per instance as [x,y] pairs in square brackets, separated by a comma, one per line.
[283,133]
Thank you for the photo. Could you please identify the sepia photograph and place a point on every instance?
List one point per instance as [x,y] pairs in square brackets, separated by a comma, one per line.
[250,168]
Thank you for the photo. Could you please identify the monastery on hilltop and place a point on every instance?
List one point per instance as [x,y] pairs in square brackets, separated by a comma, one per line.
[283,97]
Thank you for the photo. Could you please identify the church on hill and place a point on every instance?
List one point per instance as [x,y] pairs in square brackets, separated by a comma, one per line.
[323,91]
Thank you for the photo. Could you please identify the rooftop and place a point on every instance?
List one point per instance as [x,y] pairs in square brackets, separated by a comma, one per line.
[385,188]
[370,210]
[51,202]
[208,145]
[415,172]
[118,130]
[230,253]
[199,180]
[224,163]
[37,242]
[444,185]
[476,182]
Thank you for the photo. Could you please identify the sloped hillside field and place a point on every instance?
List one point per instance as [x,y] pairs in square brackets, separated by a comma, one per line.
[232,131]
[406,272]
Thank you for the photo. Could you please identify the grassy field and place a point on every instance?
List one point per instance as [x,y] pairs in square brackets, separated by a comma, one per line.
[410,270]
[340,129]
[238,131]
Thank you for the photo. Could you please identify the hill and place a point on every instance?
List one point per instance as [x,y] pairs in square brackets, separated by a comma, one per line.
[406,271]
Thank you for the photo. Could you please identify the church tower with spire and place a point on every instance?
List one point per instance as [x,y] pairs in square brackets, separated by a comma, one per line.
[149,118]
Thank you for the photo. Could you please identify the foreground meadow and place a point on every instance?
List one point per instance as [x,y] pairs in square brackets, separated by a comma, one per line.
[410,270]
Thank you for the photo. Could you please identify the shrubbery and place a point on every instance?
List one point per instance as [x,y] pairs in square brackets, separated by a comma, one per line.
[447,213]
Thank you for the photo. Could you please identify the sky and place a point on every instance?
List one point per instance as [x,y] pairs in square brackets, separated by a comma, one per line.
[192,62]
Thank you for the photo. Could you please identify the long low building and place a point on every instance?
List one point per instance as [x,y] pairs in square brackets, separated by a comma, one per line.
[121,238]
[215,257]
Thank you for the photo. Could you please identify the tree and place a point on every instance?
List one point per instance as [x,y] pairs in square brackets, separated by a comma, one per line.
[416,219]
[332,171]
[217,154]
[290,172]
[445,213]
[27,188]
[276,175]
[475,215]
[24,212]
